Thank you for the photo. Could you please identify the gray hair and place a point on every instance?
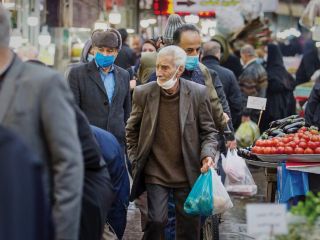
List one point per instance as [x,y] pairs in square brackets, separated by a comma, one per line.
[211,48]
[178,54]
[5,27]
[248,50]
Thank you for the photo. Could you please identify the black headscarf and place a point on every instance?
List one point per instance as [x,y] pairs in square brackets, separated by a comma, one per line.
[278,77]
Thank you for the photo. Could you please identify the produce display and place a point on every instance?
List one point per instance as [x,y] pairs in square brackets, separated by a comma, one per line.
[280,128]
[304,141]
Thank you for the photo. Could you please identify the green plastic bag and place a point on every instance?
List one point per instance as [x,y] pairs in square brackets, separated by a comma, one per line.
[247,133]
[200,199]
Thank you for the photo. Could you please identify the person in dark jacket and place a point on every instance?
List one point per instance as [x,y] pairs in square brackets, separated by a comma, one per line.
[24,212]
[211,58]
[253,80]
[312,113]
[98,189]
[280,99]
[113,157]
[126,57]
[309,64]
[228,59]
[101,88]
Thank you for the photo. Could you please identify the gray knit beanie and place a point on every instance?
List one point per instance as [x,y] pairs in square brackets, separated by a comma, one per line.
[174,22]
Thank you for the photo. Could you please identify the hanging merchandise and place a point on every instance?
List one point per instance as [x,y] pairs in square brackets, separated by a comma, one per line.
[250,9]
[226,27]
[310,13]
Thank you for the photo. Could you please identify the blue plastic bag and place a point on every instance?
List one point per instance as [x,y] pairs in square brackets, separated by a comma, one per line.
[291,183]
[200,199]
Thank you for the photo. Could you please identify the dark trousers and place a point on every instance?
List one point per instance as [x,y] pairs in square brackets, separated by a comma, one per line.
[187,226]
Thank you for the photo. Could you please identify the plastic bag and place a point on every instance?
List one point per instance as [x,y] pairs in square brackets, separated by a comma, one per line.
[251,9]
[291,183]
[234,166]
[247,133]
[310,13]
[226,27]
[200,199]
[245,187]
[221,198]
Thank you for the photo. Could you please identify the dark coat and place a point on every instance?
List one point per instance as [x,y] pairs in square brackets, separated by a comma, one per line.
[198,133]
[24,212]
[230,86]
[37,104]
[218,99]
[309,64]
[97,189]
[312,113]
[114,158]
[233,63]
[91,96]
[126,57]
[280,99]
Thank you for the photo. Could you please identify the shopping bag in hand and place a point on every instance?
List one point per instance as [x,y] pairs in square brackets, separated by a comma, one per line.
[243,186]
[221,199]
[200,199]
[233,166]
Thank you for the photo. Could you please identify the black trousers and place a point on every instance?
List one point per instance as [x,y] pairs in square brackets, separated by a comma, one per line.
[187,226]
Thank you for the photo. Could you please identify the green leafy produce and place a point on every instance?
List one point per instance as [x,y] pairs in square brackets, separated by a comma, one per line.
[310,208]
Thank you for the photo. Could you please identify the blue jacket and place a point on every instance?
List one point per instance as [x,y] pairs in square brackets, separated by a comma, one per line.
[113,155]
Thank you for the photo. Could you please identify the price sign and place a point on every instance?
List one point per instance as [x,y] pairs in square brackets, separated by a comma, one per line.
[257,103]
[266,219]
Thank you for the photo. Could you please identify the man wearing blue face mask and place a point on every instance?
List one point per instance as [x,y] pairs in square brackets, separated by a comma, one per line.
[189,39]
[101,89]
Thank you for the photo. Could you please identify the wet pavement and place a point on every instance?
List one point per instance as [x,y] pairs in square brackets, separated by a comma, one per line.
[233,225]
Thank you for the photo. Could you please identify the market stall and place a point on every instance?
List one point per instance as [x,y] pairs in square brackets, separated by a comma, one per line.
[286,148]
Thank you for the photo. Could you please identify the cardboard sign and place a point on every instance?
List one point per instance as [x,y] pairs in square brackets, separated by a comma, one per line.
[257,103]
[266,219]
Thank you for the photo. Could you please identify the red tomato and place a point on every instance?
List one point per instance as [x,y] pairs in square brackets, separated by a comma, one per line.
[267,150]
[285,140]
[317,150]
[315,138]
[312,145]
[281,144]
[314,132]
[300,135]
[255,149]
[274,142]
[308,151]
[292,144]
[288,150]
[303,129]
[259,143]
[299,150]
[306,137]
[303,145]
[280,150]
[274,150]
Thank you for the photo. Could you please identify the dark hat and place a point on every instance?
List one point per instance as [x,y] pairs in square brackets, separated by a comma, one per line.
[174,22]
[110,38]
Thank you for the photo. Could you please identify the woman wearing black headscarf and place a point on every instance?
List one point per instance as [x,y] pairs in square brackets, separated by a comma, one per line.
[280,99]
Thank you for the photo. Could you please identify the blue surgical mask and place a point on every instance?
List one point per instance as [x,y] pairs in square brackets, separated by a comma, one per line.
[192,62]
[90,57]
[104,61]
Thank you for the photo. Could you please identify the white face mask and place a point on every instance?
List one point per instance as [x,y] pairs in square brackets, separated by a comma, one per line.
[170,83]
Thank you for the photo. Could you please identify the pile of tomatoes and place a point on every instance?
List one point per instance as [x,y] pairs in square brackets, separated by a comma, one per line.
[305,141]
